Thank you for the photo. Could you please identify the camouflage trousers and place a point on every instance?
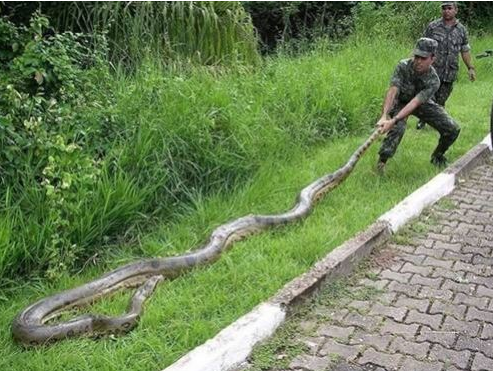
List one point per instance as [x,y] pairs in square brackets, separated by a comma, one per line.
[443,92]
[433,114]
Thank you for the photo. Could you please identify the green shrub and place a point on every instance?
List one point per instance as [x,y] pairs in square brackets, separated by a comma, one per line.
[44,143]
[9,42]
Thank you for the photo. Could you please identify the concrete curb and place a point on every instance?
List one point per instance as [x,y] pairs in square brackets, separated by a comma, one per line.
[233,344]
[338,262]
[475,157]
[488,141]
[413,205]
[230,347]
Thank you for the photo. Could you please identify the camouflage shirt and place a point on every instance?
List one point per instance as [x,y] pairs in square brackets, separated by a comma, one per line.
[411,84]
[452,40]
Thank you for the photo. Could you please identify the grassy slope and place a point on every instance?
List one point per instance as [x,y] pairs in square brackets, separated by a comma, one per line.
[185,312]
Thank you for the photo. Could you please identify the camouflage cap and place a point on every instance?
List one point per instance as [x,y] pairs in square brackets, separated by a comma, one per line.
[448,3]
[425,47]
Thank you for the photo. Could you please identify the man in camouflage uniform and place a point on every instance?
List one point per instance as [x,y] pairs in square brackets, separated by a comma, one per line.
[452,39]
[412,87]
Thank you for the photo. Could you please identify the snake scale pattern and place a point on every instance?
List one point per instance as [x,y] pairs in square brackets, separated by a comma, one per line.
[37,323]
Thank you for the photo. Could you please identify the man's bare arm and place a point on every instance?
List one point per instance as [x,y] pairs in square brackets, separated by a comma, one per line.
[466,57]
[389,101]
[386,124]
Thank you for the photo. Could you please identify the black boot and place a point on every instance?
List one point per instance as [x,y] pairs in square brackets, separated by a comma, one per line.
[439,160]
[381,166]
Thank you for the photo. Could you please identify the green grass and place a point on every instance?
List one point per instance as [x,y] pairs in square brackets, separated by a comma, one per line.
[187,311]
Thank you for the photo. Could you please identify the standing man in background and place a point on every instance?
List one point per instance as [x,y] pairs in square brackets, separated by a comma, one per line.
[452,39]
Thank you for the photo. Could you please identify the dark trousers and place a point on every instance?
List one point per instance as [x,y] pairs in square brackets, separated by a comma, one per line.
[429,112]
[443,92]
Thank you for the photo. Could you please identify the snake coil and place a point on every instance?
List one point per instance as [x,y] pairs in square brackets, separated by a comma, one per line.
[30,327]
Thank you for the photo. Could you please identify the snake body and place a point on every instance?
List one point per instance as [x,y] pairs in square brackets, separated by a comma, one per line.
[32,326]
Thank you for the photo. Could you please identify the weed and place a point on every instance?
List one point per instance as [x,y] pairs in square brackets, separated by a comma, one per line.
[278,351]
[402,238]
[446,204]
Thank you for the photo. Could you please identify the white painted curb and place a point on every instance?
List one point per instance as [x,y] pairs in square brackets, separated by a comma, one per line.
[487,141]
[232,345]
[413,205]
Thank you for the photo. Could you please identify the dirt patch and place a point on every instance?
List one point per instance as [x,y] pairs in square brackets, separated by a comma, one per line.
[384,258]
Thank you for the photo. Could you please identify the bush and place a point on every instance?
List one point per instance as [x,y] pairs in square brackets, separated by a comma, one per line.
[278,22]
[45,143]
[9,42]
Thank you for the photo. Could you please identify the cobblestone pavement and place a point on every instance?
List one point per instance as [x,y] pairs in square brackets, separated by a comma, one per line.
[433,307]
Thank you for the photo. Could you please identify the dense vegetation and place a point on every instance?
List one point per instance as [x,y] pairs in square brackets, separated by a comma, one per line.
[90,150]
[115,143]
[82,161]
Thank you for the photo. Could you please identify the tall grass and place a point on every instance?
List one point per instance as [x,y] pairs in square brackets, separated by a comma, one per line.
[204,130]
[404,21]
[201,32]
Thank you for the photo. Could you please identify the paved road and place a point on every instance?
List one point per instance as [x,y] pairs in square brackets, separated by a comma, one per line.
[432,309]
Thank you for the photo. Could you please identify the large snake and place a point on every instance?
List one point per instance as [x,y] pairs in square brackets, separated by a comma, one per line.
[30,327]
